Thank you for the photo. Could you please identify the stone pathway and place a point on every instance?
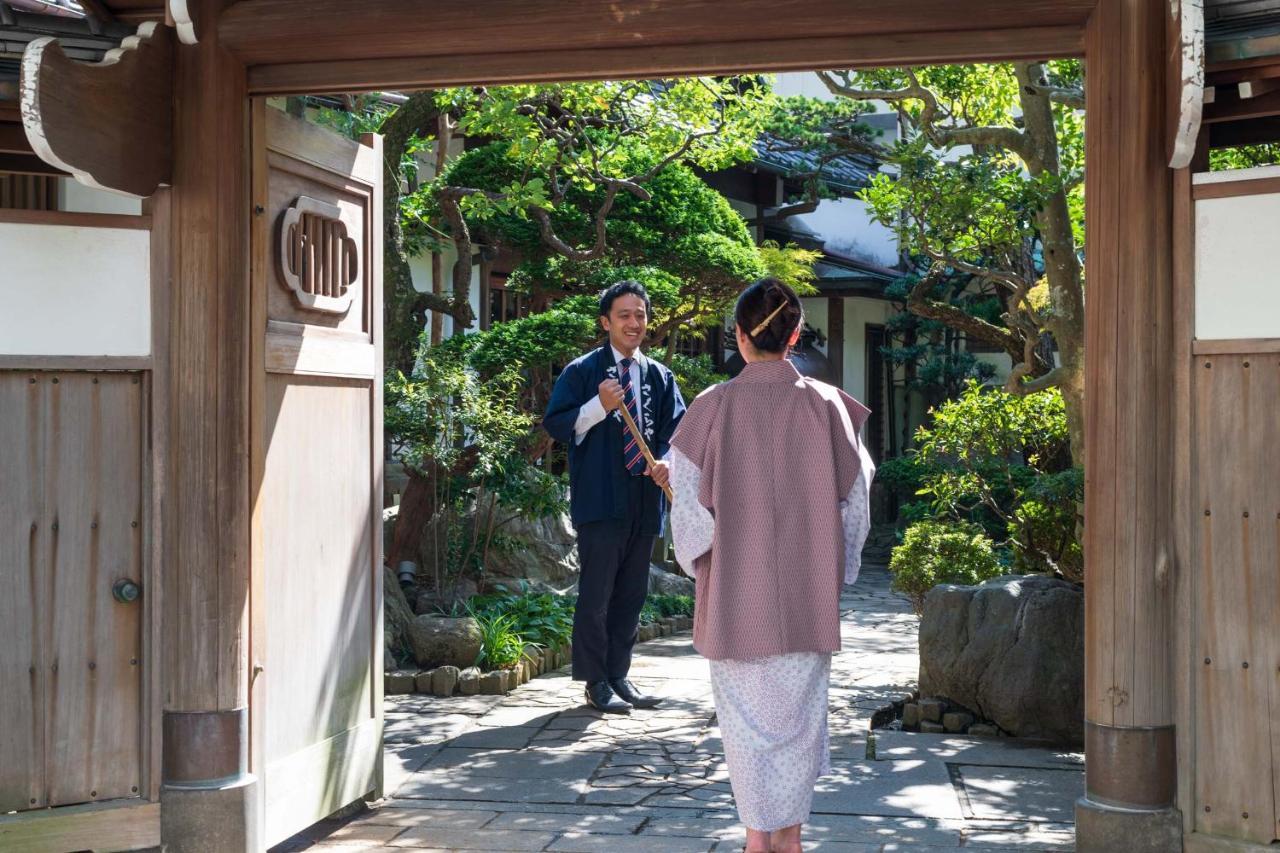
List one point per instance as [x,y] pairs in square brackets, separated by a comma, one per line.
[534,770]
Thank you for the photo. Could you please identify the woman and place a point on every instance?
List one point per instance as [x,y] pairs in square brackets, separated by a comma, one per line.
[770,515]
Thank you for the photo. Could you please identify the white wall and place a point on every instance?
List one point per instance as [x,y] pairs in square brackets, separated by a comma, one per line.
[73,290]
[857,313]
[1237,278]
[420,269]
[845,226]
[75,197]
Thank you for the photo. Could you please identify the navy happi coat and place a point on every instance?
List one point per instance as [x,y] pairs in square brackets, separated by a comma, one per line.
[597,474]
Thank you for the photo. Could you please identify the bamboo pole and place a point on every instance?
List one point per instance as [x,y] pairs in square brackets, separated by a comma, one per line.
[644,448]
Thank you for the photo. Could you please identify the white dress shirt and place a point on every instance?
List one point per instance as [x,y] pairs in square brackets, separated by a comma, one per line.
[592,412]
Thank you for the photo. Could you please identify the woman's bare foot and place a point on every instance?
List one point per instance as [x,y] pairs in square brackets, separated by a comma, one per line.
[787,840]
[758,841]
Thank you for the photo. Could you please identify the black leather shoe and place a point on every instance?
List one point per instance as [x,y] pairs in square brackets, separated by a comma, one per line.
[628,691]
[601,697]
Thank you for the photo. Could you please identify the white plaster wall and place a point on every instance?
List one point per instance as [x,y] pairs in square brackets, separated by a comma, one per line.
[72,290]
[817,315]
[1001,361]
[420,269]
[1237,267]
[845,226]
[858,312]
[75,197]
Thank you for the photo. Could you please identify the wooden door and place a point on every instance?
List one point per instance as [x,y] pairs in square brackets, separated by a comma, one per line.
[317,449]
[72,469]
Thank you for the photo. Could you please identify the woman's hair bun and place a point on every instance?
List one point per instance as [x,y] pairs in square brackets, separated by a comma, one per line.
[768,313]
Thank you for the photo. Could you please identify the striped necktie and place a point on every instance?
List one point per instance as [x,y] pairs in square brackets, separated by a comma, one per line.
[632,457]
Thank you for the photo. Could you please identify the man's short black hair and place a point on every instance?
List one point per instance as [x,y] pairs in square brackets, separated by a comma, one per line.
[618,288]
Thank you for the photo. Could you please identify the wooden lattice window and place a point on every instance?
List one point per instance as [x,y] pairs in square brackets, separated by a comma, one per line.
[28,192]
[318,260]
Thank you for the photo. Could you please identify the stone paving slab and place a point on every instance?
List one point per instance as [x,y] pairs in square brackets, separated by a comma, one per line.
[536,770]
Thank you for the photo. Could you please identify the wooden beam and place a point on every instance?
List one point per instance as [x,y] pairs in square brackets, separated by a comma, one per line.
[107,123]
[803,54]
[1229,106]
[13,140]
[265,32]
[1252,132]
[26,164]
[128,825]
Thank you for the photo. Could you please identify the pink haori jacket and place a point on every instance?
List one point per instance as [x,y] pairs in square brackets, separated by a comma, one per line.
[771,510]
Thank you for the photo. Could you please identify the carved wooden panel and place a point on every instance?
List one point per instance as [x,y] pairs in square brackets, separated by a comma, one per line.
[319,261]
[319,202]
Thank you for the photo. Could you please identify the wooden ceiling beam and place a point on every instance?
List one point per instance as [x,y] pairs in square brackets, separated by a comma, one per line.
[499,66]
[269,32]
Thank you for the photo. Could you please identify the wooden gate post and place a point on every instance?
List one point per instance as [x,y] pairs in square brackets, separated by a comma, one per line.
[1131,773]
[210,800]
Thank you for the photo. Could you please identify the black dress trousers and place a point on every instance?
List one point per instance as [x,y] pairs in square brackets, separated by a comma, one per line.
[614,557]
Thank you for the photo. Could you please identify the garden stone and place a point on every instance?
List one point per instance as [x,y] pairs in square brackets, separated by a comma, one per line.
[1011,648]
[931,710]
[910,715]
[445,641]
[545,552]
[491,683]
[422,681]
[929,727]
[398,682]
[444,680]
[663,582]
[469,681]
[957,721]
[983,730]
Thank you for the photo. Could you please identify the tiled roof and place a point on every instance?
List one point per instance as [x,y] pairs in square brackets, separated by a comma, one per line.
[844,175]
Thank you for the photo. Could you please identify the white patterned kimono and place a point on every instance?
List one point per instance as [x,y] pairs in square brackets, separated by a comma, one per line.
[772,710]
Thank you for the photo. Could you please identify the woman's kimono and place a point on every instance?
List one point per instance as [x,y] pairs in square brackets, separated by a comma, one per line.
[770,515]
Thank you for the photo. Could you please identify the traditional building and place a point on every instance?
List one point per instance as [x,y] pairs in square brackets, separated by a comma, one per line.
[189,553]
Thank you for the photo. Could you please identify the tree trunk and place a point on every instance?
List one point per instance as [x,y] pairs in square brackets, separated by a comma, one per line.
[1065,318]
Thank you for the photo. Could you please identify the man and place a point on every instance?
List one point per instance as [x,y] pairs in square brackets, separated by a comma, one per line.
[615,498]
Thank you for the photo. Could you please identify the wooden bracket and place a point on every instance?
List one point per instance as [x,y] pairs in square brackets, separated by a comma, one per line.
[1186,72]
[183,14]
[107,123]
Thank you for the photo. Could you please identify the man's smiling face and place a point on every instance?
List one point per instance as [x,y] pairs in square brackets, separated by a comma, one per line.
[626,323]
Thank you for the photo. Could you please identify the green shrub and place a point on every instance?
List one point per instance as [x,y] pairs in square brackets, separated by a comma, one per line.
[501,647]
[659,607]
[541,619]
[1002,461]
[935,552]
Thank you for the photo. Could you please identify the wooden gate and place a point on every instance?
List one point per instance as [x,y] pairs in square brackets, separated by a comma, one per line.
[316,694]
[72,530]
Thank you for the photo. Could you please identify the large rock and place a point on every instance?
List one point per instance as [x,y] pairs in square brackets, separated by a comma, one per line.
[397,617]
[546,551]
[663,582]
[443,641]
[1010,649]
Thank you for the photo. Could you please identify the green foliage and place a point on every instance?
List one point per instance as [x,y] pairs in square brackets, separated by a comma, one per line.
[659,607]
[541,619]
[1244,157]
[501,646]
[1002,461]
[684,241]
[791,265]
[934,553]
[693,374]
